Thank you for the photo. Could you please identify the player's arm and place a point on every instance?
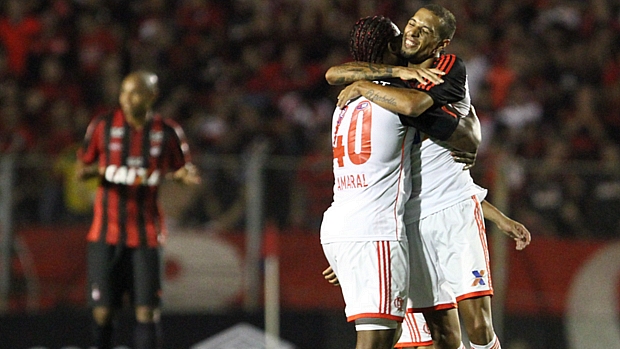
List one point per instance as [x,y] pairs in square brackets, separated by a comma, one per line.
[350,72]
[404,101]
[468,134]
[184,171]
[85,172]
[508,226]
[87,166]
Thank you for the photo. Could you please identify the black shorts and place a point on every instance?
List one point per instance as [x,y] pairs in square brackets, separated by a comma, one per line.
[115,271]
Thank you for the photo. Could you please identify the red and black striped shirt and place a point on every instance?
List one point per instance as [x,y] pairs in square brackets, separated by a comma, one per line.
[126,210]
[438,122]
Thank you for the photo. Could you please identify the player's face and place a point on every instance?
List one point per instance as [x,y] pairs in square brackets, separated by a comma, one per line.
[420,39]
[135,97]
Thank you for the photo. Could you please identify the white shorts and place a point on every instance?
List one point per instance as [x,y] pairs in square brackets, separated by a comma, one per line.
[415,332]
[373,276]
[449,257]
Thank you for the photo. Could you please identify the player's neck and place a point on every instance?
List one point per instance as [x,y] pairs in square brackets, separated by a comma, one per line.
[138,121]
[425,64]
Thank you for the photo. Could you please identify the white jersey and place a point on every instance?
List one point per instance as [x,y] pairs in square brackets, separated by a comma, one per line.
[439,181]
[372,156]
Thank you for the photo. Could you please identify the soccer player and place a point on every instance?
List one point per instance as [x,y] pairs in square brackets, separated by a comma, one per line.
[444,221]
[362,232]
[415,333]
[131,150]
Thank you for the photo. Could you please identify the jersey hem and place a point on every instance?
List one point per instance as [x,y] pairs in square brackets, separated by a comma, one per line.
[375,316]
[434,307]
[413,344]
[474,295]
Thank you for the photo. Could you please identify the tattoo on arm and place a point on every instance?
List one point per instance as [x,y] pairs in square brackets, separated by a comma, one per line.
[378,97]
[348,73]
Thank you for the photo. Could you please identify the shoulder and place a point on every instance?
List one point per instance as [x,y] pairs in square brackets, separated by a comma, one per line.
[98,121]
[450,63]
[170,125]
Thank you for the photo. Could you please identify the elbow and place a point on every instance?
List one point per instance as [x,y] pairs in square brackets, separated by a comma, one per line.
[414,109]
[417,106]
[330,76]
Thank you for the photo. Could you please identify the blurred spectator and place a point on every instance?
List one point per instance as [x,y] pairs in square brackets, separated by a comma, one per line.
[543,75]
[18,31]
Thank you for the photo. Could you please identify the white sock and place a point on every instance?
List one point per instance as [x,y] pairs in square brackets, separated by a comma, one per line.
[494,344]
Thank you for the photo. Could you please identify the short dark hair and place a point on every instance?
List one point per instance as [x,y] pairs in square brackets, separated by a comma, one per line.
[448,21]
[370,37]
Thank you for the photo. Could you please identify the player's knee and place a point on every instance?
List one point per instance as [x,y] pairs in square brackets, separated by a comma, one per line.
[481,330]
[375,333]
[102,315]
[146,314]
[448,339]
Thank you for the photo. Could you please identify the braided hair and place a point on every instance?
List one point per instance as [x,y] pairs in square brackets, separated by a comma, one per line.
[370,37]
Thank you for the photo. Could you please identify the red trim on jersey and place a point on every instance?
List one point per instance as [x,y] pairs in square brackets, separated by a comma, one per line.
[413,344]
[448,111]
[483,238]
[443,63]
[414,334]
[435,307]
[374,316]
[474,295]
[385,276]
[400,177]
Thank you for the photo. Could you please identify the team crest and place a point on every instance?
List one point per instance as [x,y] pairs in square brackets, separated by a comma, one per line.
[398,303]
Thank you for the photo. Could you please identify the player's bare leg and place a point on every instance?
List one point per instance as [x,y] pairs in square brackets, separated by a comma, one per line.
[445,328]
[145,334]
[103,317]
[478,321]
[377,339]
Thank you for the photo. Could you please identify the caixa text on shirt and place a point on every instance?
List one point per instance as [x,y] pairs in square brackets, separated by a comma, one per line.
[131,175]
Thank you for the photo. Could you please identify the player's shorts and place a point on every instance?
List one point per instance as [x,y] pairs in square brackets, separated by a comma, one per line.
[116,270]
[415,332]
[374,278]
[449,257]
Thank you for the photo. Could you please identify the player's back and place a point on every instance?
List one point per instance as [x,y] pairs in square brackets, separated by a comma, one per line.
[371,158]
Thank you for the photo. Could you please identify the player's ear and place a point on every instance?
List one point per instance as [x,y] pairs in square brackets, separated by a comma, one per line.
[395,43]
[442,45]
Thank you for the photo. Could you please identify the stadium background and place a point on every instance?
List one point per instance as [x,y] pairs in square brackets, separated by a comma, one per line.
[245,79]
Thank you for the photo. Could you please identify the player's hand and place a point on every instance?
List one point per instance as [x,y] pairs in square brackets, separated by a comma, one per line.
[84,172]
[349,93]
[330,276]
[422,75]
[187,174]
[517,231]
[463,157]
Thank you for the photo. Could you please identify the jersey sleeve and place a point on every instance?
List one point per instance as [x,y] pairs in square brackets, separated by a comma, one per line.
[438,123]
[89,150]
[453,88]
[177,149]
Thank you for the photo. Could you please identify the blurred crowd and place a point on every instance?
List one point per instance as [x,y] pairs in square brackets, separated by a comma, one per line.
[239,75]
